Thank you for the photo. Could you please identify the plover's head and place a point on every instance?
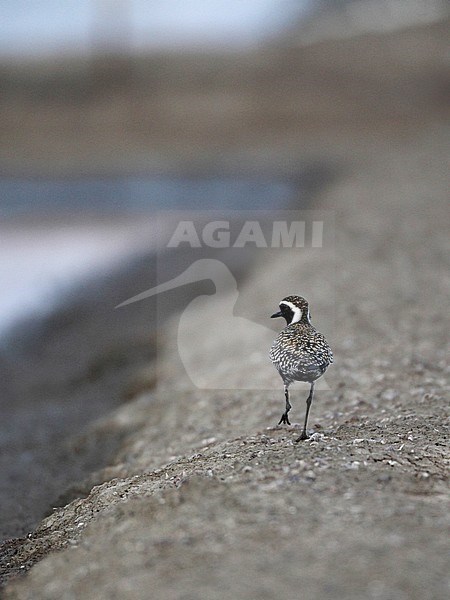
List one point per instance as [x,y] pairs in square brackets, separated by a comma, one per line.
[293,309]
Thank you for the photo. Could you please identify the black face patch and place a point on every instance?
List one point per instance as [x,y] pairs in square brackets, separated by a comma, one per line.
[287,313]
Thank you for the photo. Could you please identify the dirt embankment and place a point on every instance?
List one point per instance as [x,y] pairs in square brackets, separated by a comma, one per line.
[204,497]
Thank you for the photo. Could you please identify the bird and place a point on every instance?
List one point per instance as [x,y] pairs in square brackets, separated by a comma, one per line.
[299,353]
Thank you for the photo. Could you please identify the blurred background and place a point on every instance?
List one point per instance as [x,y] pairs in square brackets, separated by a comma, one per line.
[113,110]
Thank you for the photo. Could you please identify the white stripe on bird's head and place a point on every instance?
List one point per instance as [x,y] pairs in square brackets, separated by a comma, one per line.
[296,311]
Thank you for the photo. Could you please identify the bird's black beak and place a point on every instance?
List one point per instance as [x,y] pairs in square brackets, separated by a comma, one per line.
[275,315]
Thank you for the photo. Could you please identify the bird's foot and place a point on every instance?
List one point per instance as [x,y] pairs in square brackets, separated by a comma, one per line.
[284,419]
[303,436]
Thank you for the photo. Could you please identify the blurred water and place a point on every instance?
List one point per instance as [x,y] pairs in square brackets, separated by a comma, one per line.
[50,26]
[54,234]
[134,195]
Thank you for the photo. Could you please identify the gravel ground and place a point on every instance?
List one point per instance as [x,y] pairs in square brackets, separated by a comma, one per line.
[206,498]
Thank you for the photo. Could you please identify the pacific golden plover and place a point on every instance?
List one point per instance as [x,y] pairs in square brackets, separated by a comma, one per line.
[300,353]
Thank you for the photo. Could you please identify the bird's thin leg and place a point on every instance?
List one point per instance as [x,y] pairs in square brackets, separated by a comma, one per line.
[304,435]
[284,416]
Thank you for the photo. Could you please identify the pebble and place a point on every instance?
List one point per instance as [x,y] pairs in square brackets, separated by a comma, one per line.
[208,441]
[352,466]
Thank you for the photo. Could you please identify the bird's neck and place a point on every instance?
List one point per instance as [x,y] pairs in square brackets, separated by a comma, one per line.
[305,319]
